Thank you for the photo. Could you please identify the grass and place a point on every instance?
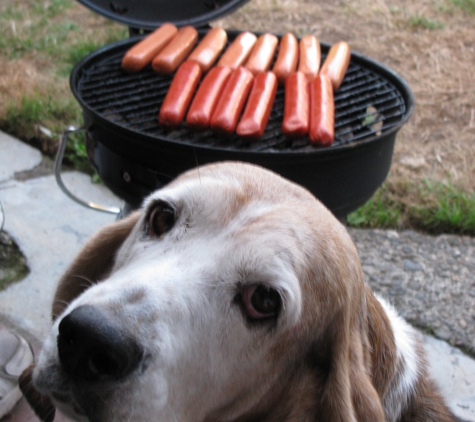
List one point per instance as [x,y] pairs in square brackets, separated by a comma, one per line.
[37,117]
[44,33]
[434,207]
[422,22]
[468,6]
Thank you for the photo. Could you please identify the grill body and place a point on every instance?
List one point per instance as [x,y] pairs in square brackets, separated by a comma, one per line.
[134,155]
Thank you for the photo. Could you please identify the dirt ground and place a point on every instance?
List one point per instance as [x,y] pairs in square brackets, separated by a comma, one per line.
[430,43]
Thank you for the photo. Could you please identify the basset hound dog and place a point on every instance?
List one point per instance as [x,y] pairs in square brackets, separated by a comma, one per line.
[231,295]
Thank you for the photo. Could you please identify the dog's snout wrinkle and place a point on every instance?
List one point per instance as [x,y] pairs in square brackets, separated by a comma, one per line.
[93,347]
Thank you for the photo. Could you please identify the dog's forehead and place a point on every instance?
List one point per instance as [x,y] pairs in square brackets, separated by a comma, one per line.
[229,189]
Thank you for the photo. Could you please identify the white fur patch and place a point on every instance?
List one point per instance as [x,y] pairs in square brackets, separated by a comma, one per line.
[407,365]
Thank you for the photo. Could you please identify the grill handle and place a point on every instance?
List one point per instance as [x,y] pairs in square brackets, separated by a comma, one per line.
[57,172]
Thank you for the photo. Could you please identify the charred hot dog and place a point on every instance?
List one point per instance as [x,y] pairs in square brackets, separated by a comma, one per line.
[259,105]
[179,94]
[296,106]
[232,100]
[206,98]
[322,111]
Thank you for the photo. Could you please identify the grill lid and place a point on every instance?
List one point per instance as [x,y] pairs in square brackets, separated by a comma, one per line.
[150,14]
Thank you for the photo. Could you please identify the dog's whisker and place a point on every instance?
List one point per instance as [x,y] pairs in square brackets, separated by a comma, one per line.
[91,282]
[197,165]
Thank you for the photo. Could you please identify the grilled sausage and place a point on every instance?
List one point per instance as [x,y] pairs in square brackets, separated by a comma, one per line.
[310,56]
[176,51]
[232,100]
[259,105]
[239,50]
[322,111]
[287,58]
[179,94]
[296,106]
[336,63]
[206,98]
[209,48]
[142,53]
[262,54]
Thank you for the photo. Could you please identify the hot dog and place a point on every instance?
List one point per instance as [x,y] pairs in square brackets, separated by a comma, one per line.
[231,101]
[287,58]
[206,98]
[239,50]
[143,52]
[262,54]
[207,51]
[296,106]
[259,105]
[179,94]
[322,111]
[176,51]
[310,56]
[336,63]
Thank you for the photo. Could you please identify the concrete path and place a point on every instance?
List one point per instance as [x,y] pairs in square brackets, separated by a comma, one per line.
[50,228]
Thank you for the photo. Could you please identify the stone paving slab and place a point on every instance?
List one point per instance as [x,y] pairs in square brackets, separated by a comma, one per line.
[15,156]
[455,373]
[49,228]
[429,279]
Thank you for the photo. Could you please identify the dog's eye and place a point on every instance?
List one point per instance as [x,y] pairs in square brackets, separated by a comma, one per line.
[260,301]
[161,219]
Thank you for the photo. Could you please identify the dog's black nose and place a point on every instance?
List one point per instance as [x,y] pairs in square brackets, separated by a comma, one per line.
[94,347]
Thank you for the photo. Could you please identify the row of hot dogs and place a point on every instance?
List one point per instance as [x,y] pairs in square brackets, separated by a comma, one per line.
[242,80]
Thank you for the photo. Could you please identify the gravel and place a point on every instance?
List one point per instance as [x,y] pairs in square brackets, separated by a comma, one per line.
[428,279]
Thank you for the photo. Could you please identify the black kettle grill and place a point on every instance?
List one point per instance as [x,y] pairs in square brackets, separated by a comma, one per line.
[134,155]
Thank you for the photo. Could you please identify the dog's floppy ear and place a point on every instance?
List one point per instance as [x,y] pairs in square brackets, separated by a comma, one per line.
[343,349]
[93,263]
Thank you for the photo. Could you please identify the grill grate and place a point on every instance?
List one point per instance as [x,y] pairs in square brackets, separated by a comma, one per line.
[366,105]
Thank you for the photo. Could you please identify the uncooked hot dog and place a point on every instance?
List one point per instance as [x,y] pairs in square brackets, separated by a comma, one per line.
[209,48]
[232,100]
[176,51]
[310,56]
[336,63]
[259,105]
[239,50]
[206,98]
[143,52]
[296,106]
[179,94]
[287,58]
[262,54]
[322,111]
